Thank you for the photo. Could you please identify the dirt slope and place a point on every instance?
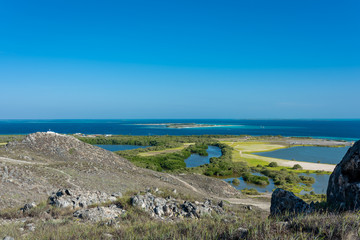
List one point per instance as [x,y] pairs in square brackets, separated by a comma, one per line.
[43,162]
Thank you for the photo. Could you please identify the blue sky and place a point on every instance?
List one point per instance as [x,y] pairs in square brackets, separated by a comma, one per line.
[179,59]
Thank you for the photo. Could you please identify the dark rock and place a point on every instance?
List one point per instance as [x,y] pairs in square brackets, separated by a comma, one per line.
[240,233]
[285,202]
[28,206]
[343,191]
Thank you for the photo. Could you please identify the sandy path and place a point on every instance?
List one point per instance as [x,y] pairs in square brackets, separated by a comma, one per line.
[290,163]
[249,201]
[243,201]
[308,165]
[186,184]
[10,160]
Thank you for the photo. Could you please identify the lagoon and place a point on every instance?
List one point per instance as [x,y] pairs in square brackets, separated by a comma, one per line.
[330,155]
[261,189]
[114,148]
[196,160]
[320,185]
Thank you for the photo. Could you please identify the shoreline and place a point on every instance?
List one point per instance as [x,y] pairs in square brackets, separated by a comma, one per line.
[244,151]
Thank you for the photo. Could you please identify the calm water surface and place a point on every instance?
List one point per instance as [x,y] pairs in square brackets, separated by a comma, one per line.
[196,160]
[260,189]
[115,148]
[329,155]
[319,187]
[321,183]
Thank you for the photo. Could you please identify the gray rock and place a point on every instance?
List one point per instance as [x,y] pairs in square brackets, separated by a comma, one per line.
[285,202]
[78,199]
[117,195]
[171,208]
[99,213]
[343,192]
[108,236]
[8,238]
[30,227]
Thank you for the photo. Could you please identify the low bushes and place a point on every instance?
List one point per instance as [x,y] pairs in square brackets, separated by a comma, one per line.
[273,164]
[297,167]
[259,180]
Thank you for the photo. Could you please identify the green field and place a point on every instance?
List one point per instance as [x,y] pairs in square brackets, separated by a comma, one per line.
[168,150]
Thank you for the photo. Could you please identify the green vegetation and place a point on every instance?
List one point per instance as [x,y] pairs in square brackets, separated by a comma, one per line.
[297,167]
[236,181]
[313,197]
[259,180]
[72,150]
[250,191]
[167,153]
[165,162]
[273,164]
[4,139]
[159,141]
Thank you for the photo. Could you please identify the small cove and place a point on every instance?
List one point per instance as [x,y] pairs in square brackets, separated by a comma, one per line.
[196,160]
[114,148]
[330,155]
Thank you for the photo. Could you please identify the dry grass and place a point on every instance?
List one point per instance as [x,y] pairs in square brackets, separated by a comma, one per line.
[137,224]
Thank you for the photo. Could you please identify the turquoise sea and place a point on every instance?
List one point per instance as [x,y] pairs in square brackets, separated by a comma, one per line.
[334,129]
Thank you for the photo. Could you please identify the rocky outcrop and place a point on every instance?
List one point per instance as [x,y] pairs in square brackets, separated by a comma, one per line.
[170,208]
[85,202]
[284,202]
[79,199]
[109,214]
[343,191]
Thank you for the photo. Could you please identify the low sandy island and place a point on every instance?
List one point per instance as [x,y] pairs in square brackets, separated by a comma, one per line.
[184,125]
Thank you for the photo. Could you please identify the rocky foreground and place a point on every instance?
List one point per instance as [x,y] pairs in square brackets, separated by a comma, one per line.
[343,192]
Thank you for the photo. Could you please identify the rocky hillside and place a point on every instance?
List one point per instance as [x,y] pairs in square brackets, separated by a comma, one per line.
[50,146]
[43,162]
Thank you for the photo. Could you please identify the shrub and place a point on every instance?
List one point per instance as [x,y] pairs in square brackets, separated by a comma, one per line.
[297,166]
[273,164]
[259,180]
[236,182]
[250,191]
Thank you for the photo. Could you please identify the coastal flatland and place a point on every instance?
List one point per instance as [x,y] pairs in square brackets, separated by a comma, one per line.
[243,151]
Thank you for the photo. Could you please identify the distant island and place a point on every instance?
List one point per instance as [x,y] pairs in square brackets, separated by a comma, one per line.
[185,125]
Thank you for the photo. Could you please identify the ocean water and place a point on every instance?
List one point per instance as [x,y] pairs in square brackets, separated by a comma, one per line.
[334,129]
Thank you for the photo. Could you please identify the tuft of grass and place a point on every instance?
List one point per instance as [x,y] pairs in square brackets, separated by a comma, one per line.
[236,182]
[250,191]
